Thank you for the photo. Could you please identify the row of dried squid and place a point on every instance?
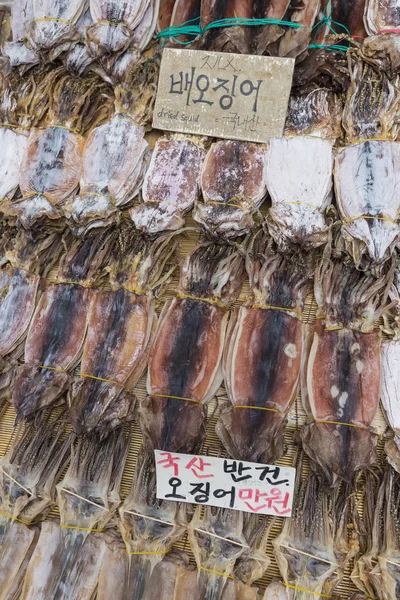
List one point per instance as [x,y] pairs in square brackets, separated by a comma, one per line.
[261,350]
[102,547]
[107,37]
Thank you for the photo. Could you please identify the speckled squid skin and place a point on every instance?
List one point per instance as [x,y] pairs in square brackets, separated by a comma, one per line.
[343,381]
[185,362]
[262,368]
[381,15]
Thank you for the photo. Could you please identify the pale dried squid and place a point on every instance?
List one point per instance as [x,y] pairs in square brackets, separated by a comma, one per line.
[17,51]
[381,17]
[263,352]
[28,478]
[390,381]
[68,557]
[233,187]
[115,24]
[171,185]
[51,167]
[149,528]
[121,324]
[305,549]
[299,170]
[342,370]
[54,25]
[217,541]
[366,174]
[185,368]
[58,327]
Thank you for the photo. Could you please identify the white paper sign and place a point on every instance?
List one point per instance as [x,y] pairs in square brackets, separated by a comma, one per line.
[246,486]
[232,96]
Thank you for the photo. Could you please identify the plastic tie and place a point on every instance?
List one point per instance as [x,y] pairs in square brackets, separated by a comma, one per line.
[207,300]
[257,408]
[104,379]
[81,528]
[340,423]
[176,398]
[300,589]
[59,370]
[215,572]
[280,308]
[7,516]
[100,196]
[55,19]
[194,29]
[371,217]
[146,553]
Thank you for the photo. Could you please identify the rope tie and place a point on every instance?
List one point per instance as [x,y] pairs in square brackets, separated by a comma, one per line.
[340,423]
[176,398]
[110,200]
[207,300]
[257,408]
[280,308]
[300,589]
[215,572]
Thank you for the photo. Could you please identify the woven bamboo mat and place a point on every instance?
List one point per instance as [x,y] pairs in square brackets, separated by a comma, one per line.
[212,445]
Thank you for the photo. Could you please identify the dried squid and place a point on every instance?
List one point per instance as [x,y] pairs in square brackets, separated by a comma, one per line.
[54,24]
[343,369]
[305,549]
[120,323]
[381,17]
[367,191]
[149,528]
[295,41]
[366,178]
[51,167]
[112,168]
[227,39]
[17,51]
[217,541]
[263,354]
[185,360]
[171,185]
[115,24]
[68,558]
[299,171]
[266,35]
[233,186]
[58,327]
[28,477]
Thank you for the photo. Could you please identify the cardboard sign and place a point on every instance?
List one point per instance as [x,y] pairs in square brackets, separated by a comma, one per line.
[251,487]
[232,96]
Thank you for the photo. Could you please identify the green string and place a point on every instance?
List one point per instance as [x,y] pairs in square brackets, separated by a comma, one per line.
[194,29]
[327,20]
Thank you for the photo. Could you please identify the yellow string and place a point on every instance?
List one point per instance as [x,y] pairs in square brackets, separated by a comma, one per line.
[258,408]
[298,202]
[340,423]
[341,328]
[137,291]
[375,139]
[12,126]
[100,196]
[101,379]
[3,514]
[215,572]
[299,589]
[224,204]
[75,131]
[391,562]
[372,217]
[321,317]
[51,199]
[52,368]
[175,398]
[146,553]
[208,300]
[66,282]
[338,328]
[113,23]
[44,19]
[270,307]
[81,528]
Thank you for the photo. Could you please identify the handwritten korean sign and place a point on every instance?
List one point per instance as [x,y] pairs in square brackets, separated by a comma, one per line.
[251,487]
[232,96]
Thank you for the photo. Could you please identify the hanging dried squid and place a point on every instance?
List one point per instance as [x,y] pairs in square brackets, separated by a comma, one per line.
[263,354]
[299,169]
[342,369]
[51,167]
[121,323]
[149,528]
[185,360]
[171,185]
[58,327]
[233,187]
[17,50]
[87,497]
